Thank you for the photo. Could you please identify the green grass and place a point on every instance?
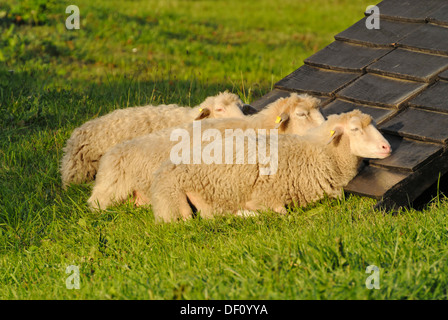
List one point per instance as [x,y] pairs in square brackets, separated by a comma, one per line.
[185,51]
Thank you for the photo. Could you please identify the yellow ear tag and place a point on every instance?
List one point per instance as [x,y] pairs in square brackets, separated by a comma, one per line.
[278,120]
[332,132]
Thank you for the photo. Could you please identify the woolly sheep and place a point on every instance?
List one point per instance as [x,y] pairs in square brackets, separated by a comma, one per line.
[128,168]
[90,141]
[322,162]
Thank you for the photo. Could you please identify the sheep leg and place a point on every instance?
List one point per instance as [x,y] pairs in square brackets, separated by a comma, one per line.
[281,210]
[201,205]
[140,199]
[250,209]
[79,163]
[246,213]
[184,207]
[113,182]
[100,197]
[255,205]
[168,207]
[169,201]
[96,202]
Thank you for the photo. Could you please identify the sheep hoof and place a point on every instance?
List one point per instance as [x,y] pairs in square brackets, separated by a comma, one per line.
[246,213]
[281,210]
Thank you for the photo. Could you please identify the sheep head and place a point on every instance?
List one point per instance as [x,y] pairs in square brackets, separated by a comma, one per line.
[365,140]
[223,105]
[298,114]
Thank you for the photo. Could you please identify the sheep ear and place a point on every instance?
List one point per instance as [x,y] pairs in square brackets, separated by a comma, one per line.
[282,119]
[248,109]
[204,113]
[336,132]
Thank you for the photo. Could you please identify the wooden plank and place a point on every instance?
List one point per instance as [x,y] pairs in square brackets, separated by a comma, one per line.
[419,124]
[428,38]
[276,94]
[248,109]
[444,75]
[374,182]
[340,106]
[381,91]
[396,188]
[269,98]
[433,98]
[439,16]
[345,56]
[407,190]
[388,34]
[408,10]
[407,154]
[410,65]
[316,81]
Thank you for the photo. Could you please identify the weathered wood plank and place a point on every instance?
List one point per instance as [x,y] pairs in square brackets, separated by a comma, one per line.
[388,34]
[407,190]
[408,10]
[345,56]
[429,38]
[374,182]
[381,91]
[275,95]
[407,154]
[444,75]
[340,106]
[410,65]
[316,81]
[419,124]
[439,16]
[433,98]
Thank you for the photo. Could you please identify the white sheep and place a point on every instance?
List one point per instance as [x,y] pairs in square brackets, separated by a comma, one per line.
[127,169]
[309,167]
[90,141]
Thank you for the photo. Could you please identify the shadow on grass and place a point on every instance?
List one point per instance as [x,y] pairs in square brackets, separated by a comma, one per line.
[37,118]
[30,104]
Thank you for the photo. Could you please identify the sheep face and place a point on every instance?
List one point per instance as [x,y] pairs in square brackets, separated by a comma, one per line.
[301,120]
[224,105]
[300,115]
[365,140]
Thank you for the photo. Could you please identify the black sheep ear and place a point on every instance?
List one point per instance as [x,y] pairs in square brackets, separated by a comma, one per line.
[248,109]
[203,113]
[281,120]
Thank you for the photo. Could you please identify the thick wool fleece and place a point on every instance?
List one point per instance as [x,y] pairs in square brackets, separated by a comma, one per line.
[308,169]
[90,141]
[128,168]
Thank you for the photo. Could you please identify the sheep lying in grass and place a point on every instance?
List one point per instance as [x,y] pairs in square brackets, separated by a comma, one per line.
[90,141]
[128,168]
[322,162]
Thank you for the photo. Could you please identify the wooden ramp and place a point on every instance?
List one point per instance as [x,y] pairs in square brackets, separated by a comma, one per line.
[399,75]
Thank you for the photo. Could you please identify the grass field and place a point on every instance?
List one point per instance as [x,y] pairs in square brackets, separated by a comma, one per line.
[129,53]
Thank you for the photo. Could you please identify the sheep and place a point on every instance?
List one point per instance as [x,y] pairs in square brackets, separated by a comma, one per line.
[127,169]
[90,141]
[309,167]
